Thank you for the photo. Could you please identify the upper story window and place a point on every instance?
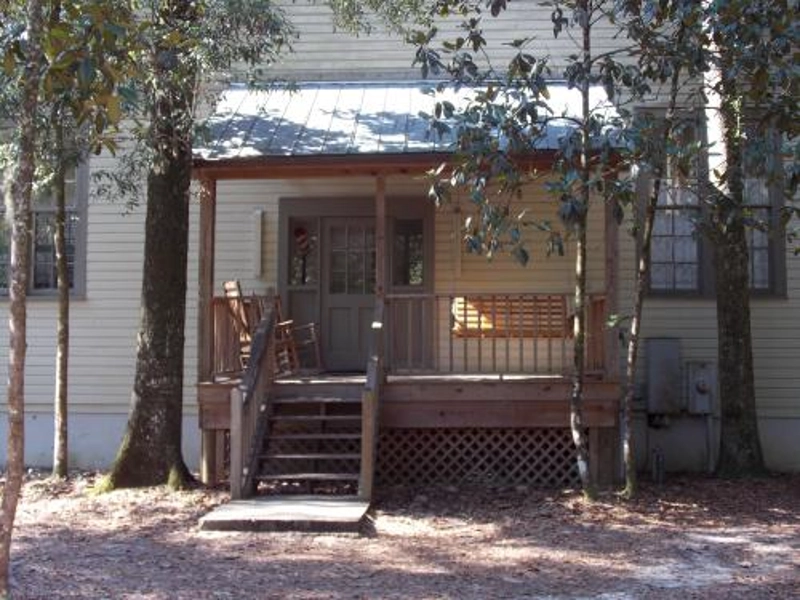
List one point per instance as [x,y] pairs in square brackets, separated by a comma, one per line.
[764,248]
[43,274]
[675,259]
[681,257]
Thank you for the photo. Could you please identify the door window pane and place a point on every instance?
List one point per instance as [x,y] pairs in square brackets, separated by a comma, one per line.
[303,252]
[352,259]
[407,253]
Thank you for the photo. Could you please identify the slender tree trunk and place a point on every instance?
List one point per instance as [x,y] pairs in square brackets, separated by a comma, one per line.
[60,443]
[18,208]
[642,280]
[577,425]
[150,453]
[740,447]
[579,435]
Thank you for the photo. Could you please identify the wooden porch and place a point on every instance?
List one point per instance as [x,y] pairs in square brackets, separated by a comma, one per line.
[482,378]
[506,377]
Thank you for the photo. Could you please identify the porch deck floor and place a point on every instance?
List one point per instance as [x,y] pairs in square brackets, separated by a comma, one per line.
[289,513]
[322,378]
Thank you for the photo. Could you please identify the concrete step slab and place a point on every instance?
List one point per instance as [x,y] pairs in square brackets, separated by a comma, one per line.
[317,514]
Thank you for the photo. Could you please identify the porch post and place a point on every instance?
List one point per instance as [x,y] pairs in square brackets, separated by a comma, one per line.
[611,350]
[205,317]
[381,260]
[380,236]
[370,398]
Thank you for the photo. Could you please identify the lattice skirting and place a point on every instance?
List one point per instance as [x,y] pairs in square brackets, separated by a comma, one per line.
[536,457]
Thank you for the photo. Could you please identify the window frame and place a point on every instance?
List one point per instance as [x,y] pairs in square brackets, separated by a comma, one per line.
[703,287]
[80,206]
[776,246]
[705,282]
[776,253]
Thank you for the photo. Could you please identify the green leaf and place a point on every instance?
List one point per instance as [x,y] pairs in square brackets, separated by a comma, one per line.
[113,109]
[9,63]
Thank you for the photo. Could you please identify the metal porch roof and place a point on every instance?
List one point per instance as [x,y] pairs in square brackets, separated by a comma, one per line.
[341,119]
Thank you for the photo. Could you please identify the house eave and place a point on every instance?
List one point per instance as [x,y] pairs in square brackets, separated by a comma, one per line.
[341,165]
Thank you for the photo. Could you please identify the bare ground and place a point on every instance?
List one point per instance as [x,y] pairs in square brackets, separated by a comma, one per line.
[690,538]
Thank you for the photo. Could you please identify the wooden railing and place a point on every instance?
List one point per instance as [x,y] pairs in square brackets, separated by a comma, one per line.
[370,398]
[489,333]
[226,345]
[249,409]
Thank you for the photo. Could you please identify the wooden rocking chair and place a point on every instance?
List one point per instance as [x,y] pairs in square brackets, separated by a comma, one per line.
[243,324]
[287,336]
[293,343]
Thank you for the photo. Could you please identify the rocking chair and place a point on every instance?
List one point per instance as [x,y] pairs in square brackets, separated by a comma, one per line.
[290,341]
[296,346]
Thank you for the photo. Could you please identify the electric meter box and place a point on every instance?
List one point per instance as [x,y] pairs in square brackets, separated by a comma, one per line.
[702,387]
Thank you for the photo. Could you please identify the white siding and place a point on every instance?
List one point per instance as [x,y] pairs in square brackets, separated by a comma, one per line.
[775,325]
[321,52]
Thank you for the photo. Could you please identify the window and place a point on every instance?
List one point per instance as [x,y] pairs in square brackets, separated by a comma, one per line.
[303,252]
[408,264]
[675,262]
[763,247]
[43,277]
[676,259]
[681,257]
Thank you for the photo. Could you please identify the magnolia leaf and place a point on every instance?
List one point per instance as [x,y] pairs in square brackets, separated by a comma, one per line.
[9,62]
[113,109]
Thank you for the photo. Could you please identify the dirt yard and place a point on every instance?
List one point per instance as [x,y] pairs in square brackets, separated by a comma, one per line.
[690,538]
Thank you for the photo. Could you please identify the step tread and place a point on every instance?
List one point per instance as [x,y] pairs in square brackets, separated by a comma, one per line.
[316,400]
[310,456]
[316,436]
[301,418]
[309,477]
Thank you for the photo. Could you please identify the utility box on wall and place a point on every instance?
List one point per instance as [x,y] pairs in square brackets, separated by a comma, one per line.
[664,382]
[701,379]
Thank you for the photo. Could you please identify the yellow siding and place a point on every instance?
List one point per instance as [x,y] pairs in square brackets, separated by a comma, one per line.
[543,273]
[239,199]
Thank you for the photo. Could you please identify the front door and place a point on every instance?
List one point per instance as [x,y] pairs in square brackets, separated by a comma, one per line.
[348,291]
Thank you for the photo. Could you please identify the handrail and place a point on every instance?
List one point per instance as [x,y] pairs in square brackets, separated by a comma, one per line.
[370,398]
[249,408]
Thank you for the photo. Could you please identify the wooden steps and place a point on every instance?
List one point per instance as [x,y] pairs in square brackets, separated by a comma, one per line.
[313,440]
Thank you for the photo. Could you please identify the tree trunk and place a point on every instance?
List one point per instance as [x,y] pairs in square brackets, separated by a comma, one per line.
[642,283]
[579,435]
[740,447]
[60,444]
[150,453]
[18,208]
